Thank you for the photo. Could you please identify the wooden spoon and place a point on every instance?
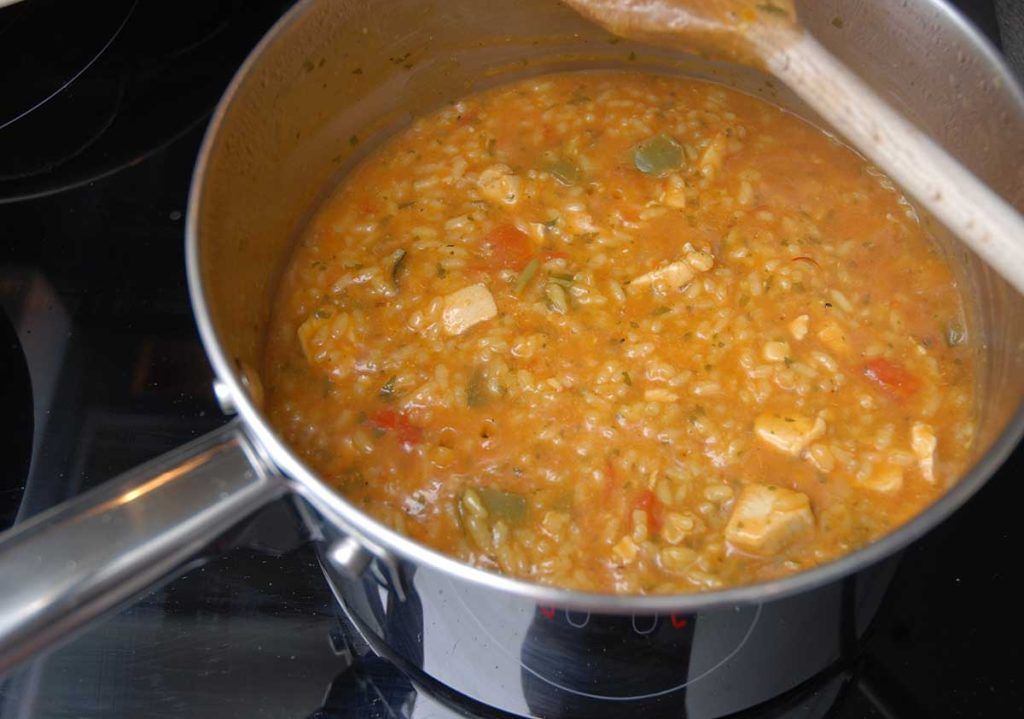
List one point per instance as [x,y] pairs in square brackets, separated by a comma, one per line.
[766,34]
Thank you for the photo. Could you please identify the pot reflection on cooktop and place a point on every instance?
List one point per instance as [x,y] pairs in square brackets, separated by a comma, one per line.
[379,683]
[486,654]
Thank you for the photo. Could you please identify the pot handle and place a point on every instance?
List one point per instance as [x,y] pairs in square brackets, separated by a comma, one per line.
[69,565]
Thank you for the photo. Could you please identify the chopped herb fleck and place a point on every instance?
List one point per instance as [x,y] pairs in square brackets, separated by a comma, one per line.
[387,390]
[526,275]
[557,301]
[955,334]
[565,279]
[399,263]
[772,9]
[477,393]
[627,379]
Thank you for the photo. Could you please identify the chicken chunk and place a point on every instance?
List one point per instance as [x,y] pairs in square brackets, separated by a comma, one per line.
[677,274]
[467,307]
[923,444]
[775,351]
[499,185]
[798,327]
[789,433]
[886,479]
[833,337]
[765,519]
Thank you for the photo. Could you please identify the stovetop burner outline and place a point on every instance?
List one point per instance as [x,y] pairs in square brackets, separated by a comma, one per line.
[609,697]
[81,71]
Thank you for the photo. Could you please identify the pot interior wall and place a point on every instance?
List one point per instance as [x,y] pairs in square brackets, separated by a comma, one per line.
[341,76]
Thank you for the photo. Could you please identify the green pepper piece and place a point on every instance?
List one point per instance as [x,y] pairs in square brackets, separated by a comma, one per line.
[500,504]
[658,155]
[564,170]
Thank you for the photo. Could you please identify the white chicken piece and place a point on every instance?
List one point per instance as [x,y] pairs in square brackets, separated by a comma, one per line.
[886,479]
[467,307]
[789,433]
[833,337]
[766,518]
[775,351]
[499,184]
[676,275]
[798,327]
[923,443]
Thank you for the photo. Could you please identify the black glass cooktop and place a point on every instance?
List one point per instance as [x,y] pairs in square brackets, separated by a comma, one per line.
[101,114]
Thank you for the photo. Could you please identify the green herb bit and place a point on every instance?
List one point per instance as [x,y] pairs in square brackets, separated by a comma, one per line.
[399,263]
[526,275]
[658,155]
[500,504]
[564,170]
[351,480]
[556,297]
[441,271]
[956,335]
[477,392]
[772,9]
[564,279]
[658,311]
[627,379]
[387,391]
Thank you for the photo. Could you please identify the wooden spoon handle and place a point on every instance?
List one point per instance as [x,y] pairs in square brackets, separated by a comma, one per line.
[979,217]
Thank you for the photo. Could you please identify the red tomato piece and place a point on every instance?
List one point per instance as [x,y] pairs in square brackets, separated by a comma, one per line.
[388,420]
[510,248]
[649,503]
[893,379]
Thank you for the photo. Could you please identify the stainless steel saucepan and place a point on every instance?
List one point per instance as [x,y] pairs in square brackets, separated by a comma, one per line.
[325,85]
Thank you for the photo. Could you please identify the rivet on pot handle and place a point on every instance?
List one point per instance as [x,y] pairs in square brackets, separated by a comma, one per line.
[81,559]
[349,556]
[353,557]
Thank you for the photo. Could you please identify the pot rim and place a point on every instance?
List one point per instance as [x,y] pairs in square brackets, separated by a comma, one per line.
[381,540]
